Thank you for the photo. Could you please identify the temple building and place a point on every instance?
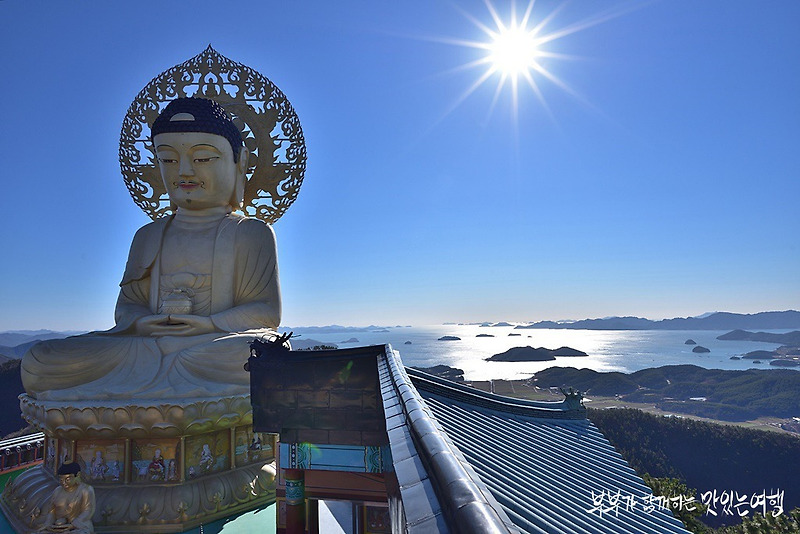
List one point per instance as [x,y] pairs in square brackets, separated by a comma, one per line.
[416,453]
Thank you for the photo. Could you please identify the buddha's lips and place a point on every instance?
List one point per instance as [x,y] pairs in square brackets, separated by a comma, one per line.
[188,186]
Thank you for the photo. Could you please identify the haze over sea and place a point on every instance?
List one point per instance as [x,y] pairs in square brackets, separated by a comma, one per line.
[609,350]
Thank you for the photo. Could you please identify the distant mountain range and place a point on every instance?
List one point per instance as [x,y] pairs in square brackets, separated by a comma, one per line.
[772,320]
[14,344]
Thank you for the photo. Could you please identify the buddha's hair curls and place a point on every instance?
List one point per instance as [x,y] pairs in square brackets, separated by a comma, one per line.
[72,468]
[208,117]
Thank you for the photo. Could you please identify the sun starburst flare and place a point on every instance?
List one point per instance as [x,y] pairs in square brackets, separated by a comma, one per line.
[516,50]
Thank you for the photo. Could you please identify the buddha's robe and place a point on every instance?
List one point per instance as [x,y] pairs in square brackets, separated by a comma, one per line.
[229,267]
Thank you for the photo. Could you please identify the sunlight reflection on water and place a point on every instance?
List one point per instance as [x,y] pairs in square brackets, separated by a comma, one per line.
[608,350]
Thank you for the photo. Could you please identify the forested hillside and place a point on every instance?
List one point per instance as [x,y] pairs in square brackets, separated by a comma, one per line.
[10,389]
[705,456]
[730,395]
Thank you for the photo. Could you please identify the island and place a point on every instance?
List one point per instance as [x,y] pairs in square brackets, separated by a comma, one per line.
[700,350]
[785,362]
[449,338]
[789,338]
[690,342]
[759,355]
[485,335]
[530,354]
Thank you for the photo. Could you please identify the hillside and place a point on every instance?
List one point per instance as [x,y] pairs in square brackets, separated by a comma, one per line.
[688,389]
[705,456]
[10,389]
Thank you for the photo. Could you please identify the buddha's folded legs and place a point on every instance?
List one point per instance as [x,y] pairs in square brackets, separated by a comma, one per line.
[74,367]
[120,367]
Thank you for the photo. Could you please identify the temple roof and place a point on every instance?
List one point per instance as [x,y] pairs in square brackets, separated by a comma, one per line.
[462,460]
[542,468]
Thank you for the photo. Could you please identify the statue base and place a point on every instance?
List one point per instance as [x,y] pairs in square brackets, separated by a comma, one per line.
[155,465]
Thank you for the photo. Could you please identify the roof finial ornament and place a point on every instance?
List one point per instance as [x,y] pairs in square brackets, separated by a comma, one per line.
[573,398]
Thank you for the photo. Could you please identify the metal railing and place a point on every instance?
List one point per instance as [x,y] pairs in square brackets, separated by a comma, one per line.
[23,451]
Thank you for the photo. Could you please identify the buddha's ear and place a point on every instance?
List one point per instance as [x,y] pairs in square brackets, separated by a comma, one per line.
[237,202]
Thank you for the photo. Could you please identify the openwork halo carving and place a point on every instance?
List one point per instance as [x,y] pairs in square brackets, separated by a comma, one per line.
[270,129]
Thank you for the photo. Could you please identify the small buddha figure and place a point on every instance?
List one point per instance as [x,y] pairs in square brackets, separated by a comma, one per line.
[198,286]
[71,505]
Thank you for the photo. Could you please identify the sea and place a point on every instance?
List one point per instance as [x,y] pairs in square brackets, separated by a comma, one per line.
[626,351]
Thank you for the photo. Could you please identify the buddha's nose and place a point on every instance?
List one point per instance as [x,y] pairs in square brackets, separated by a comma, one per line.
[186,168]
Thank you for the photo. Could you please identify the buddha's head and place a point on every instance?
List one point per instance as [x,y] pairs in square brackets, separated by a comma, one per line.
[69,476]
[200,154]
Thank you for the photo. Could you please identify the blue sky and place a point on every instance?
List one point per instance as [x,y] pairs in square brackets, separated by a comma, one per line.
[664,184]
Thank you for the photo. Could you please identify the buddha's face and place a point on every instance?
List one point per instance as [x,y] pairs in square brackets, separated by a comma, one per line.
[198,169]
[68,482]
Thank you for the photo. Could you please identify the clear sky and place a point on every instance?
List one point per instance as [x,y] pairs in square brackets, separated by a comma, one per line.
[658,175]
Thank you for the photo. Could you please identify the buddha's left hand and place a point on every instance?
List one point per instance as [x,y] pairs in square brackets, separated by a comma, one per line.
[190,325]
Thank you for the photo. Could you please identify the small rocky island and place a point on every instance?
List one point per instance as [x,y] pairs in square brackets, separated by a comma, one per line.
[485,335]
[759,355]
[449,338]
[690,342]
[530,354]
[700,350]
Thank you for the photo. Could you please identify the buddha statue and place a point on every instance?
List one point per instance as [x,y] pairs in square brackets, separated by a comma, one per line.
[71,504]
[199,284]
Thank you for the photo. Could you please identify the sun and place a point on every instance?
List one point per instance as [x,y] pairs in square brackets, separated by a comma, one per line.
[518,52]
[513,50]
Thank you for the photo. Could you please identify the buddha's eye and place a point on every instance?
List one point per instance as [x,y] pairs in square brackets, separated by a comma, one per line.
[205,160]
[167,160]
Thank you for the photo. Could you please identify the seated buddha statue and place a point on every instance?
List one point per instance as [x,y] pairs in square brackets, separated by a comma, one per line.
[198,285]
[71,505]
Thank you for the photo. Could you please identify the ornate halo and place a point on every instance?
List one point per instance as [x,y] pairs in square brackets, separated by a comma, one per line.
[270,129]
